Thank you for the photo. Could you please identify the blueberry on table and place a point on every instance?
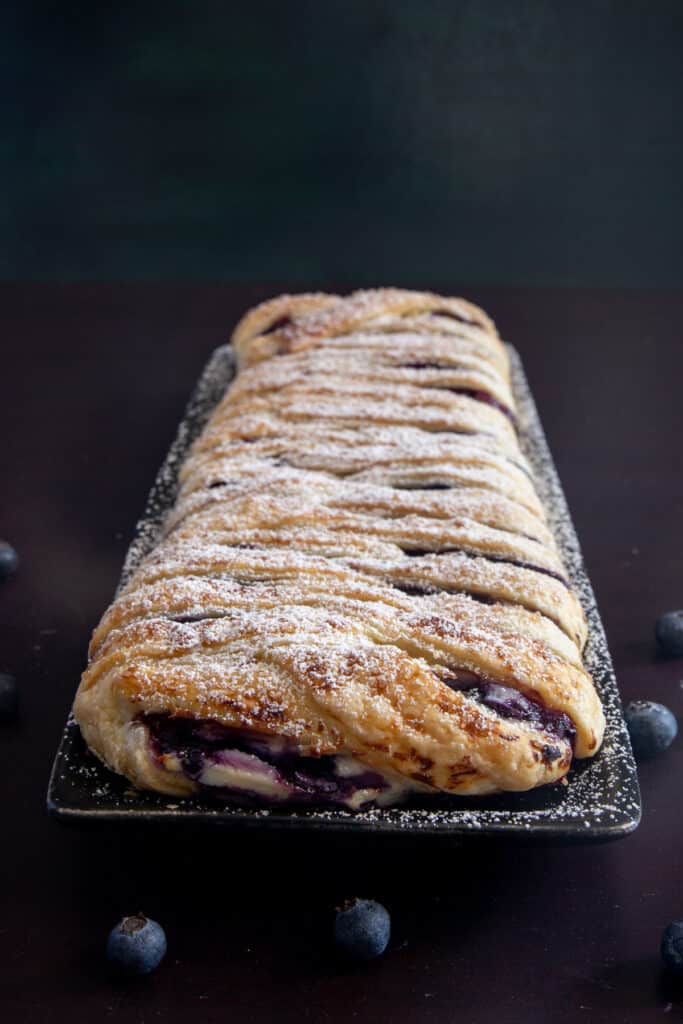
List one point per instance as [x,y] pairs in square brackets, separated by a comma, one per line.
[669,632]
[136,946]
[362,929]
[9,696]
[652,728]
[9,560]
[671,947]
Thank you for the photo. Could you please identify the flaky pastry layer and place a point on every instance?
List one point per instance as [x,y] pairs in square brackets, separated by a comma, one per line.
[356,595]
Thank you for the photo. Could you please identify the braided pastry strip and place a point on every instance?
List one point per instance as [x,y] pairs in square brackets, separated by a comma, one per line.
[356,595]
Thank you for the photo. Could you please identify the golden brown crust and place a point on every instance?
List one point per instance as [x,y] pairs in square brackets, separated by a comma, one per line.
[261,319]
[323,317]
[357,559]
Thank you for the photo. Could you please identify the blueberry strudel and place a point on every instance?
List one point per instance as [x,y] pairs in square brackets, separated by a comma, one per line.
[356,596]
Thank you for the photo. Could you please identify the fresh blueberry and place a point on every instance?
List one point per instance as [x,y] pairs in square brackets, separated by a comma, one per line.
[652,728]
[9,696]
[362,929]
[9,560]
[671,947]
[136,945]
[669,632]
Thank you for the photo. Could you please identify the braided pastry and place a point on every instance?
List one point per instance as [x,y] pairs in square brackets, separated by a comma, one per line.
[356,595]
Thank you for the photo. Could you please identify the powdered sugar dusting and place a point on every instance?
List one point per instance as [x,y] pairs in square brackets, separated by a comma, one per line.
[602,795]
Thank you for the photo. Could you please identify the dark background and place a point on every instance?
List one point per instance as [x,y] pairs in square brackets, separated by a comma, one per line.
[365,141]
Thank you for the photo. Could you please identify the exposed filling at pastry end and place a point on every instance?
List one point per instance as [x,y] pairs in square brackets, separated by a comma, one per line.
[510,703]
[239,767]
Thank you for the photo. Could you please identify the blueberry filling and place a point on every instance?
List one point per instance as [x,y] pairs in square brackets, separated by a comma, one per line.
[455,316]
[282,321]
[489,399]
[420,552]
[425,590]
[510,703]
[536,568]
[241,767]
[412,589]
[426,366]
[423,487]
[478,394]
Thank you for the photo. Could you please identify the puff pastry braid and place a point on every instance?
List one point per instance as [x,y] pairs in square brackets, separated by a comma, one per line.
[356,595]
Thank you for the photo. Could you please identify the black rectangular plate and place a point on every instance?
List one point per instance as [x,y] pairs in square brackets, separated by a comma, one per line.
[600,801]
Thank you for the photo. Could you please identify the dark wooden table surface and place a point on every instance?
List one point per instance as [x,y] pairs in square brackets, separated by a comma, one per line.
[94,379]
